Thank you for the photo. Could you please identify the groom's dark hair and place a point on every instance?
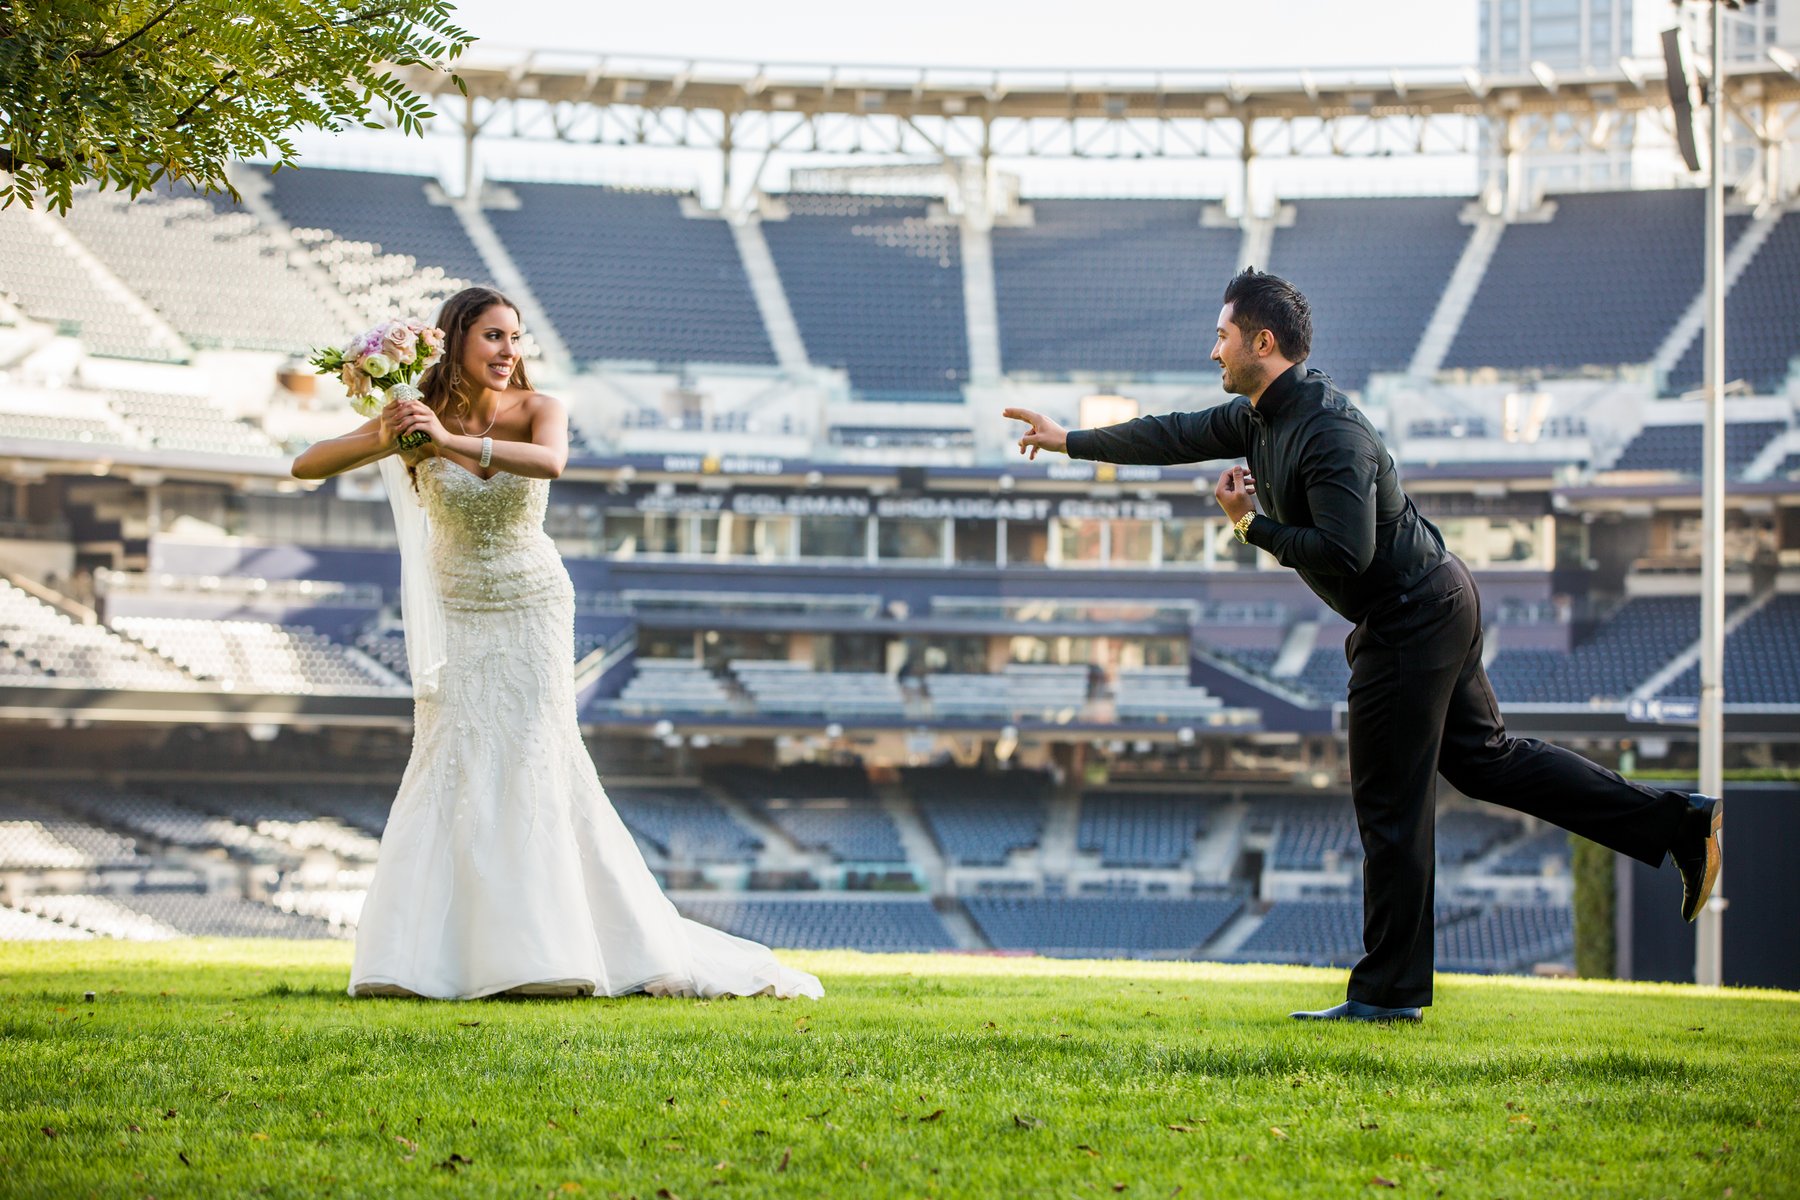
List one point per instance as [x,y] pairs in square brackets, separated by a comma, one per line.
[1262,301]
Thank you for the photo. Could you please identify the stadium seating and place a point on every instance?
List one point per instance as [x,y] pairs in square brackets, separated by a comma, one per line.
[1022,691]
[53,284]
[1319,932]
[17,925]
[1373,271]
[258,655]
[1601,283]
[624,275]
[47,647]
[783,688]
[1498,938]
[190,423]
[1141,829]
[35,837]
[1762,318]
[157,916]
[1507,937]
[215,274]
[1515,674]
[1544,852]
[850,831]
[684,824]
[1162,694]
[1626,649]
[1464,834]
[875,285]
[59,428]
[1679,447]
[978,818]
[288,813]
[1307,830]
[1762,658]
[105,916]
[1119,286]
[674,685]
[388,249]
[158,819]
[892,926]
[1095,927]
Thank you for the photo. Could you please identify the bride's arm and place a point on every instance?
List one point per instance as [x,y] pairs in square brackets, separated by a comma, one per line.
[543,457]
[372,441]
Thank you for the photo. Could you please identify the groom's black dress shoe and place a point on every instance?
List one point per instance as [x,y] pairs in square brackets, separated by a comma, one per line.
[1696,852]
[1356,1010]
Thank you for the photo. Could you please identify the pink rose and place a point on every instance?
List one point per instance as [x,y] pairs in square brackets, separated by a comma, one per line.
[399,343]
[355,382]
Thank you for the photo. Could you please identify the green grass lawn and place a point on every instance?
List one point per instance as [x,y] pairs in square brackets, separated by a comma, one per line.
[240,1068]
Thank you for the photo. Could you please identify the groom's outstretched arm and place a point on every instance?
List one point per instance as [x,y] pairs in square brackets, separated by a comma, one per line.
[1215,433]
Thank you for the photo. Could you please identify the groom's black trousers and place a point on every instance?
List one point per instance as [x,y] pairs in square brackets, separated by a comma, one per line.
[1421,705]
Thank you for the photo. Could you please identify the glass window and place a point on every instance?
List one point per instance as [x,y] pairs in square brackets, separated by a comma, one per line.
[734,535]
[1131,542]
[630,533]
[833,537]
[1184,542]
[1080,542]
[910,538]
[1027,542]
[977,542]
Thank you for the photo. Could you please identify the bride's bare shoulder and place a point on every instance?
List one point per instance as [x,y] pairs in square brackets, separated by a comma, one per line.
[537,404]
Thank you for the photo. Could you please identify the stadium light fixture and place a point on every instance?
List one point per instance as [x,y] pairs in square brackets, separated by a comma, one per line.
[1678,61]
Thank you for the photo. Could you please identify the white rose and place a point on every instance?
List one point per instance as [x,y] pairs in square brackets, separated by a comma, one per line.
[377,365]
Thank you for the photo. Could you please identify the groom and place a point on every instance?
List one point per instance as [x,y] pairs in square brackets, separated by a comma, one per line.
[1420,703]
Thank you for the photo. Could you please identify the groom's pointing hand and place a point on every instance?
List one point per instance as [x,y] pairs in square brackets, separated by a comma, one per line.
[1044,434]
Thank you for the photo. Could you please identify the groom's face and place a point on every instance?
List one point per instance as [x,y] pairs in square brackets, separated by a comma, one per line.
[1239,368]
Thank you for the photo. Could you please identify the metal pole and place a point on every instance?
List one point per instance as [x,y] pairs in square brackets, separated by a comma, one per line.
[1708,945]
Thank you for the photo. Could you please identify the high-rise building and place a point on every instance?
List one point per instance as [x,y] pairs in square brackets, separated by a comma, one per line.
[1578,37]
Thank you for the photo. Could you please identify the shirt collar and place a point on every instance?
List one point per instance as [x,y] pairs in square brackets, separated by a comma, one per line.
[1279,395]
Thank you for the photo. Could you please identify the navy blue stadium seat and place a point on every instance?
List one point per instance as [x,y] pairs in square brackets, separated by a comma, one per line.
[1372,270]
[1762,318]
[876,287]
[624,275]
[1120,286]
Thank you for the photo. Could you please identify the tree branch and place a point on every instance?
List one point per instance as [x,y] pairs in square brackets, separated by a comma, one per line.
[93,54]
[210,92]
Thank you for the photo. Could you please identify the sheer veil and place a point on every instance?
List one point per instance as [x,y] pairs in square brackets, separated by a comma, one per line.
[421,604]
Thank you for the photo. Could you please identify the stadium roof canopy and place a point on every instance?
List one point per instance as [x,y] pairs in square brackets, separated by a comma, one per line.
[981,114]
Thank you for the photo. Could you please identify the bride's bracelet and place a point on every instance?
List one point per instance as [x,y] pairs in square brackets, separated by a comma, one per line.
[487,451]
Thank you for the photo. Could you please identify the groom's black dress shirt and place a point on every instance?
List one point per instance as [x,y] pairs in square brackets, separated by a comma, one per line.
[1332,506]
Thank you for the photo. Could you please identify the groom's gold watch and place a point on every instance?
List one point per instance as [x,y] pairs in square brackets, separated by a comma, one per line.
[1241,526]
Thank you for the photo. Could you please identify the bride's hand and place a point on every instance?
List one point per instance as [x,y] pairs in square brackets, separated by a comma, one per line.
[411,415]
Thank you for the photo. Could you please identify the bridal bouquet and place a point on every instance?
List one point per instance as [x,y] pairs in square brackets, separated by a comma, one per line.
[386,358]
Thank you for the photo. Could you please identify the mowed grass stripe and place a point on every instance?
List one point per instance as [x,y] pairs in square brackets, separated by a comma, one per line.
[916,1076]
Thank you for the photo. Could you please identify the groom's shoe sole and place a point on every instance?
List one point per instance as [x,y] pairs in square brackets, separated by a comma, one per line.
[1699,872]
[1370,1014]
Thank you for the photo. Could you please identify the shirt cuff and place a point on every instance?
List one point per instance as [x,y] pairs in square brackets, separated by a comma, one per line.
[1076,444]
[1261,531]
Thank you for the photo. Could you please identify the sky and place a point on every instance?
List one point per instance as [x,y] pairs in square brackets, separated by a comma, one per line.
[1124,34]
[985,33]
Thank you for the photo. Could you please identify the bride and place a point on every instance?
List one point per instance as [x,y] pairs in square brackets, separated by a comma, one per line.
[504,867]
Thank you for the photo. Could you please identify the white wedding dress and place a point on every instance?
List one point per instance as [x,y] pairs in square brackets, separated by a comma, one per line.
[504,866]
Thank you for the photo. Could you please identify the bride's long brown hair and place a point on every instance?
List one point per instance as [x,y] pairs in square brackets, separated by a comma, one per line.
[443,385]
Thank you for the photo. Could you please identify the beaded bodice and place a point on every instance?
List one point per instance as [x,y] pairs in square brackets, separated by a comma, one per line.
[488,545]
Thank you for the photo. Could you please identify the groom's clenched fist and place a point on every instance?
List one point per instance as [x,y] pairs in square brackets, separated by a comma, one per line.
[1044,434]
